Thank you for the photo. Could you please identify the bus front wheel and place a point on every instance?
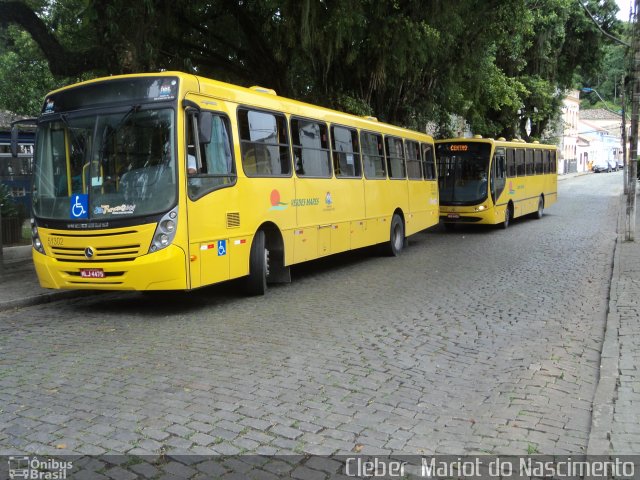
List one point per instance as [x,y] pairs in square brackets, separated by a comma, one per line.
[396,237]
[256,282]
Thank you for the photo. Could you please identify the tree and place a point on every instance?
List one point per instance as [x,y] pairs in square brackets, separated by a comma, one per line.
[499,64]
[8,208]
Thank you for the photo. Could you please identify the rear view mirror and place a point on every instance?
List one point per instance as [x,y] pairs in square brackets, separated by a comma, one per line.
[14,133]
[205,124]
[14,140]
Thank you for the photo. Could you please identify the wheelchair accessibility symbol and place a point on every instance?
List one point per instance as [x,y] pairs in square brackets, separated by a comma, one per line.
[79,207]
[222,248]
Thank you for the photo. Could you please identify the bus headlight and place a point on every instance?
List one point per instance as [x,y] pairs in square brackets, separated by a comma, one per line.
[35,238]
[165,231]
[481,208]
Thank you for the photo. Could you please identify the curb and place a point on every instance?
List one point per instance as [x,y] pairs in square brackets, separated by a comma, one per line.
[605,396]
[45,298]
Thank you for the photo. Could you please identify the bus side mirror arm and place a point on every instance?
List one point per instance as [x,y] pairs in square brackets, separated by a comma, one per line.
[14,133]
[205,121]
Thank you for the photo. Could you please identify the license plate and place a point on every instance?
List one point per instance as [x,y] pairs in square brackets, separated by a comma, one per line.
[453,215]
[92,273]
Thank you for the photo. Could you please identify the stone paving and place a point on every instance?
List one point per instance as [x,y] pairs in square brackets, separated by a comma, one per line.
[473,341]
[625,428]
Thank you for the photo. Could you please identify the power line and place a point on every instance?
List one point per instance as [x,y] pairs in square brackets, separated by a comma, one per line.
[615,39]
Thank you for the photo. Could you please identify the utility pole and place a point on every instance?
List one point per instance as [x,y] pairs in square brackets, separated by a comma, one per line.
[630,224]
[1,254]
[625,160]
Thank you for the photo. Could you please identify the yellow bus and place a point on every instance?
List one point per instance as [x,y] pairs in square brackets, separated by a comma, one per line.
[487,181]
[172,182]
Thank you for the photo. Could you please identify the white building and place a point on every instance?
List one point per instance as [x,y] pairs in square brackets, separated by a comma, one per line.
[569,146]
[600,133]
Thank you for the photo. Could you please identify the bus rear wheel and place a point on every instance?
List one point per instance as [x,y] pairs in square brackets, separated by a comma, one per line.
[508,215]
[538,214]
[256,282]
[396,237]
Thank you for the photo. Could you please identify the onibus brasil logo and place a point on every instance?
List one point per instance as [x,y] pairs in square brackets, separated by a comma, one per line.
[37,469]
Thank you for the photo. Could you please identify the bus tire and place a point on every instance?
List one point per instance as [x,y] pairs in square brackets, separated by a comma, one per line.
[538,214]
[508,215]
[256,282]
[396,237]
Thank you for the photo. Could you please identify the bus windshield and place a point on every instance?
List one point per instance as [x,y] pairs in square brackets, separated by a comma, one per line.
[102,166]
[463,172]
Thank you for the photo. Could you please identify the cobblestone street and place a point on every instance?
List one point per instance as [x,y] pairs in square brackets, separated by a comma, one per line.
[478,340]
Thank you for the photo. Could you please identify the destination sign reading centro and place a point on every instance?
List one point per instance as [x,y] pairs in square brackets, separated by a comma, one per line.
[459,147]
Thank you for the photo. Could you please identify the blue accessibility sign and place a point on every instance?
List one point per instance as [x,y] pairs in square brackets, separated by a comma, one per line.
[222,248]
[79,206]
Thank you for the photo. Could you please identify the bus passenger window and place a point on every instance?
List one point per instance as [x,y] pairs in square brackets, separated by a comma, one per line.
[429,162]
[310,148]
[529,162]
[395,157]
[373,155]
[264,144]
[346,152]
[538,168]
[520,169]
[511,162]
[553,167]
[545,161]
[414,162]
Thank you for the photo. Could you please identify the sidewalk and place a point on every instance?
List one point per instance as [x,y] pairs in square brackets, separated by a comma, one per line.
[615,427]
[18,282]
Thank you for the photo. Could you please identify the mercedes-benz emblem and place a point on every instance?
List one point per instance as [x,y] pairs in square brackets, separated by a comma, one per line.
[88,252]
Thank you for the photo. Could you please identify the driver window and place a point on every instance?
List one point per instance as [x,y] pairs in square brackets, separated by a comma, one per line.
[209,165]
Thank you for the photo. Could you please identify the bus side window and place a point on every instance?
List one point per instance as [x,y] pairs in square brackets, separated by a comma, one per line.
[310,148]
[414,162]
[539,169]
[520,169]
[545,161]
[429,162]
[373,155]
[264,144]
[211,166]
[511,162]
[395,157]
[529,162]
[346,152]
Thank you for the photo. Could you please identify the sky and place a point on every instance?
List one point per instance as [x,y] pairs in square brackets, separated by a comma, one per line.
[623,5]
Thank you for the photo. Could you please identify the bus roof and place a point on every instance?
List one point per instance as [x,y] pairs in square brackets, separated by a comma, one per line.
[260,97]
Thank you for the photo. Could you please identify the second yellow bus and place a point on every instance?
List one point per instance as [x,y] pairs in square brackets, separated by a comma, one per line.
[487,181]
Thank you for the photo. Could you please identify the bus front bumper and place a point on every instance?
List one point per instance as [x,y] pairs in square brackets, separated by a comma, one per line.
[162,270]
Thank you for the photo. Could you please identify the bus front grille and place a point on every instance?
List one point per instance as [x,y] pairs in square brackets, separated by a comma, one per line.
[120,253]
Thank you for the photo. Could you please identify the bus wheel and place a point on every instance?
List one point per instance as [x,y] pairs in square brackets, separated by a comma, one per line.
[540,211]
[507,217]
[396,237]
[256,282]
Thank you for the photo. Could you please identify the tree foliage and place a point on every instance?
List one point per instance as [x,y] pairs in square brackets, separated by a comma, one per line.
[501,64]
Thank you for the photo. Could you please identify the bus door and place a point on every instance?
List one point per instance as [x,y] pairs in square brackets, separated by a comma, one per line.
[210,170]
[498,174]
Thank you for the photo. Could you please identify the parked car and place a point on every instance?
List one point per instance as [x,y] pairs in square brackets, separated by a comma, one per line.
[604,165]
